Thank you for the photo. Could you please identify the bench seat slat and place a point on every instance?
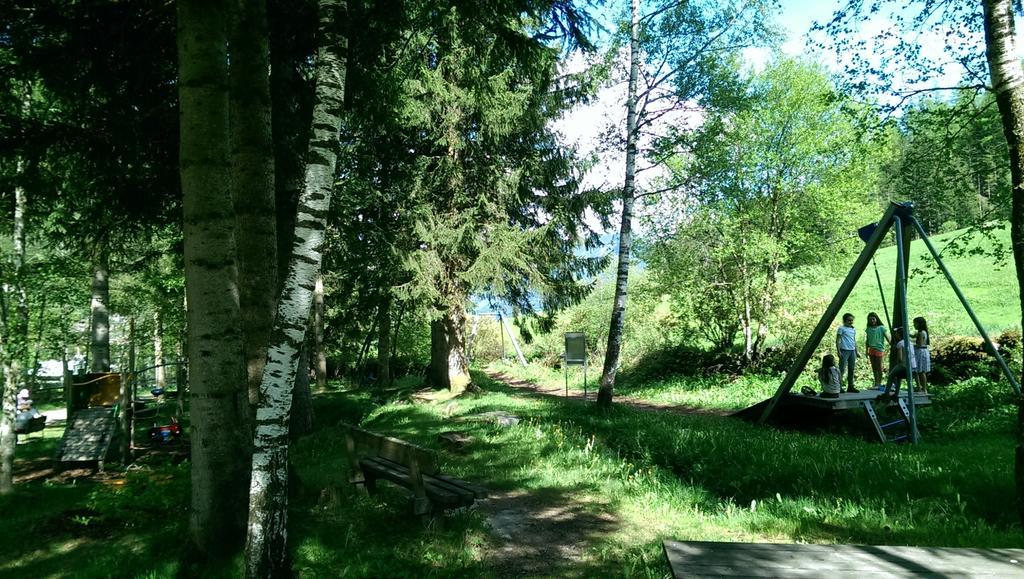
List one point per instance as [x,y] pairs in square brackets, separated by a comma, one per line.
[399,474]
[462,492]
[391,459]
[441,482]
[478,491]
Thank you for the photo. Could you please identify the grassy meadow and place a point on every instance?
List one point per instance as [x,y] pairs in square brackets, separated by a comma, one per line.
[990,288]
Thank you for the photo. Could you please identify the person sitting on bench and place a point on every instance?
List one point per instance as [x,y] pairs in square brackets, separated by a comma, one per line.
[28,419]
[25,403]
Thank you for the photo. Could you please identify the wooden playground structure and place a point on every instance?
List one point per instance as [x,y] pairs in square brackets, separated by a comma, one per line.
[898,218]
[105,412]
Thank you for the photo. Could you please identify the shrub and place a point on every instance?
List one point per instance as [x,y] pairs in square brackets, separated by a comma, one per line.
[956,358]
[1009,343]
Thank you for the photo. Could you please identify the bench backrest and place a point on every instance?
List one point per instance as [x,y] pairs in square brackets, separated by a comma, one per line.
[365,442]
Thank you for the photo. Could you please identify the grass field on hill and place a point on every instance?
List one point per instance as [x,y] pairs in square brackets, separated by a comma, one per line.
[990,289]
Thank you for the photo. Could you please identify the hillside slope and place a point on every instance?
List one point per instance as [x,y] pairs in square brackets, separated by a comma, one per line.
[991,289]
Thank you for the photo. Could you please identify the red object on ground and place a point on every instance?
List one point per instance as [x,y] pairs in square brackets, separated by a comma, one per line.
[166,433]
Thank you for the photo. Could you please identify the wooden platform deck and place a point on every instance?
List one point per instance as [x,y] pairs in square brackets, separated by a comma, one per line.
[713,559]
[849,400]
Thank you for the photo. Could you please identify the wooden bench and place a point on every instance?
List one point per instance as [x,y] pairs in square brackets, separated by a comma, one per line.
[377,457]
[719,559]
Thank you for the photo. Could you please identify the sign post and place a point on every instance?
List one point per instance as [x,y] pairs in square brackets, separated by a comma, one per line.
[576,355]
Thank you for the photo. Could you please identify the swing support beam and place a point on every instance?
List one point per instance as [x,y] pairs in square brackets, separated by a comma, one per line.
[970,312]
[832,311]
[902,254]
[897,216]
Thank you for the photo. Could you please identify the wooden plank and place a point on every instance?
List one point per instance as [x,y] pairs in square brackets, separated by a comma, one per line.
[477,490]
[848,401]
[434,480]
[394,449]
[400,476]
[87,436]
[699,558]
[465,495]
[884,224]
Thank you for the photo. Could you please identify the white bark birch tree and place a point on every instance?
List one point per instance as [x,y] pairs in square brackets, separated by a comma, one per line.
[266,552]
[614,348]
[99,342]
[318,334]
[13,341]
[159,372]
[218,393]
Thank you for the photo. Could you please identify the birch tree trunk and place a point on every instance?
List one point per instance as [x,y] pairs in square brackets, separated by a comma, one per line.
[614,348]
[14,345]
[384,342]
[217,386]
[252,185]
[318,334]
[266,553]
[99,342]
[1008,85]
[159,372]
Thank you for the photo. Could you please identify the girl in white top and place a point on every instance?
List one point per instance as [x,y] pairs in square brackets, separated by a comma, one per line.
[923,355]
[828,377]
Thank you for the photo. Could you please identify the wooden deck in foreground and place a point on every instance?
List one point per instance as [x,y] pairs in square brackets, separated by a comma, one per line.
[714,559]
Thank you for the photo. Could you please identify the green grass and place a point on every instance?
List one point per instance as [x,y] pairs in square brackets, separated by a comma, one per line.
[129,527]
[653,476]
[991,290]
[718,392]
[666,476]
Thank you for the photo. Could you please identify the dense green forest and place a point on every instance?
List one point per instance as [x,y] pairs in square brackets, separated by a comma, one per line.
[257,255]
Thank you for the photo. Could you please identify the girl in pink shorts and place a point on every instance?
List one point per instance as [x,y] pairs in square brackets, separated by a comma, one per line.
[875,339]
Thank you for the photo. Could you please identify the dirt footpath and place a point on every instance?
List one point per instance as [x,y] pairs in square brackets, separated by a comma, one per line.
[543,534]
[592,396]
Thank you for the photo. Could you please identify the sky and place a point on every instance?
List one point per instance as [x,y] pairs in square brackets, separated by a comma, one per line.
[586,127]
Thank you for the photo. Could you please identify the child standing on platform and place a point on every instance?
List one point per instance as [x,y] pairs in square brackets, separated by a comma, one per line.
[875,338]
[898,372]
[846,345]
[924,357]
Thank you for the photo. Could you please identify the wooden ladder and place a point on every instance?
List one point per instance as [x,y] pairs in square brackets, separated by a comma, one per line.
[902,421]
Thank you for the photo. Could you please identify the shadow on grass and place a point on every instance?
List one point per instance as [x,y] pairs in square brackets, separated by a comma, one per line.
[928,494]
[62,530]
[530,523]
